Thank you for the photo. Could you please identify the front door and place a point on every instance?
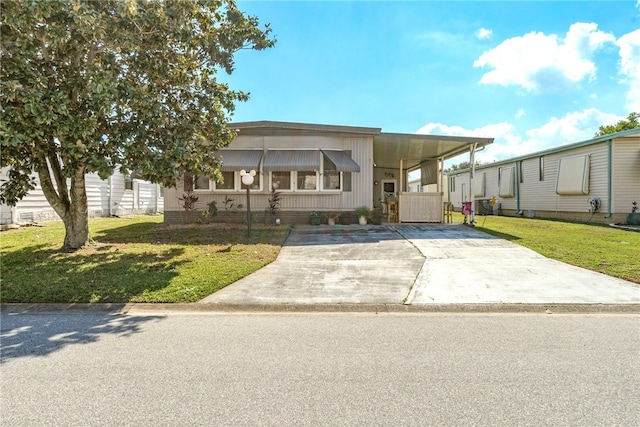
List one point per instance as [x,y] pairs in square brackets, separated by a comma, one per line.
[388,188]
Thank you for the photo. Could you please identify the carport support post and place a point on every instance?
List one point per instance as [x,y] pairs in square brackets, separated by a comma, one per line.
[472,169]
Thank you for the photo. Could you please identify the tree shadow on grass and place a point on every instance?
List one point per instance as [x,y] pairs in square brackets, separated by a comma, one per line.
[37,335]
[191,234]
[505,236]
[101,273]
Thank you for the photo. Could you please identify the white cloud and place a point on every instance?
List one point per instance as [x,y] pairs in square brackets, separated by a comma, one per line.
[537,61]
[484,33]
[629,46]
[520,113]
[509,142]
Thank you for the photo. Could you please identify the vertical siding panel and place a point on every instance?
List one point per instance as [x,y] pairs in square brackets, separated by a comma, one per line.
[626,174]
[97,195]
[361,193]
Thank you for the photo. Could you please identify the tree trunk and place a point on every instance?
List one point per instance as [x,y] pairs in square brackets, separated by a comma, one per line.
[76,225]
[70,203]
[76,217]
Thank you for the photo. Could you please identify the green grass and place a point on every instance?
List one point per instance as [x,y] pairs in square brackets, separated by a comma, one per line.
[135,259]
[602,248]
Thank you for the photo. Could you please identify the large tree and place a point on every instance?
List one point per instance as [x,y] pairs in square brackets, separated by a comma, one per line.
[89,85]
[631,122]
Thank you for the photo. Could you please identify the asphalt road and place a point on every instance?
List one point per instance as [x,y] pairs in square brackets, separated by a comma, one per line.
[320,369]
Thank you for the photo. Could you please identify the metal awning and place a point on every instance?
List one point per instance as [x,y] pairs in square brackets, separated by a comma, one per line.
[235,160]
[343,162]
[291,160]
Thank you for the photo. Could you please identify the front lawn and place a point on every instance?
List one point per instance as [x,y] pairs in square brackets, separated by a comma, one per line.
[135,259]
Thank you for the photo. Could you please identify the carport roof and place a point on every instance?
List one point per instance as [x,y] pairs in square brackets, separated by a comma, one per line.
[388,148]
[413,149]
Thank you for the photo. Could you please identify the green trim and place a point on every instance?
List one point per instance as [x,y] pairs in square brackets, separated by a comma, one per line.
[517,167]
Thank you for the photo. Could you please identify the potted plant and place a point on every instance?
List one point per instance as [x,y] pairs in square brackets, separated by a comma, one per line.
[363,213]
[274,205]
[316,218]
[376,216]
[634,217]
[332,217]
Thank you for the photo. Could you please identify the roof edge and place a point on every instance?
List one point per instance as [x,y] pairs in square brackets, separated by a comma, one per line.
[469,139]
[559,148]
[304,126]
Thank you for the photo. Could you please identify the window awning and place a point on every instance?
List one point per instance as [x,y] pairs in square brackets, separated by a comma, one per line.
[343,162]
[291,160]
[235,160]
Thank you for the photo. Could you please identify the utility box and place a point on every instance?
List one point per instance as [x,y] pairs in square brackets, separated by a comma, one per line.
[483,207]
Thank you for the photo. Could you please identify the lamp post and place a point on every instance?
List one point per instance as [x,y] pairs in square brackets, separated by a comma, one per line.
[247,180]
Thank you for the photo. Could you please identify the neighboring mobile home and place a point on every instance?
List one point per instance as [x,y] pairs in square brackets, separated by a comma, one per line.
[595,180]
[119,194]
[323,168]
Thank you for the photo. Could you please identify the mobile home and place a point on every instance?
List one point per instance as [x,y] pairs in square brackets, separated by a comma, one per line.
[324,168]
[595,180]
[120,194]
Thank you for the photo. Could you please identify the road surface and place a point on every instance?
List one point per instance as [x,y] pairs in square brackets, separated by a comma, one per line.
[320,369]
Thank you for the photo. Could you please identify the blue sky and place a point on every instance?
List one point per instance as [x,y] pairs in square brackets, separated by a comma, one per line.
[532,75]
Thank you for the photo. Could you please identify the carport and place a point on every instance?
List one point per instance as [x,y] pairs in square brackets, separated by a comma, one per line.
[409,152]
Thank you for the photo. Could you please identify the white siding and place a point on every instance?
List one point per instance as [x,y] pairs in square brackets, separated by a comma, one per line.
[35,207]
[538,194]
[97,195]
[459,193]
[361,189]
[626,174]
[121,199]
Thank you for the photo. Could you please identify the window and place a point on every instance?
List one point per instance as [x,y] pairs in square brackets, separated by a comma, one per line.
[452,183]
[304,180]
[346,176]
[308,170]
[128,182]
[346,181]
[330,176]
[541,166]
[573,175]
[281,180]
[307,180]
[201,183]
[228,181]
[507,186]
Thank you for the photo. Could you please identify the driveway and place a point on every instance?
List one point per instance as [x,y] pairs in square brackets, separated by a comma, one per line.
[417,264]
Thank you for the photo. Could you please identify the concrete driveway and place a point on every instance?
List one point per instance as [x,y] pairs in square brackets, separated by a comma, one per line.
[417,264]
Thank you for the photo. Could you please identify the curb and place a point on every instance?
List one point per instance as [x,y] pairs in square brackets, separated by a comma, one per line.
[178,308]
